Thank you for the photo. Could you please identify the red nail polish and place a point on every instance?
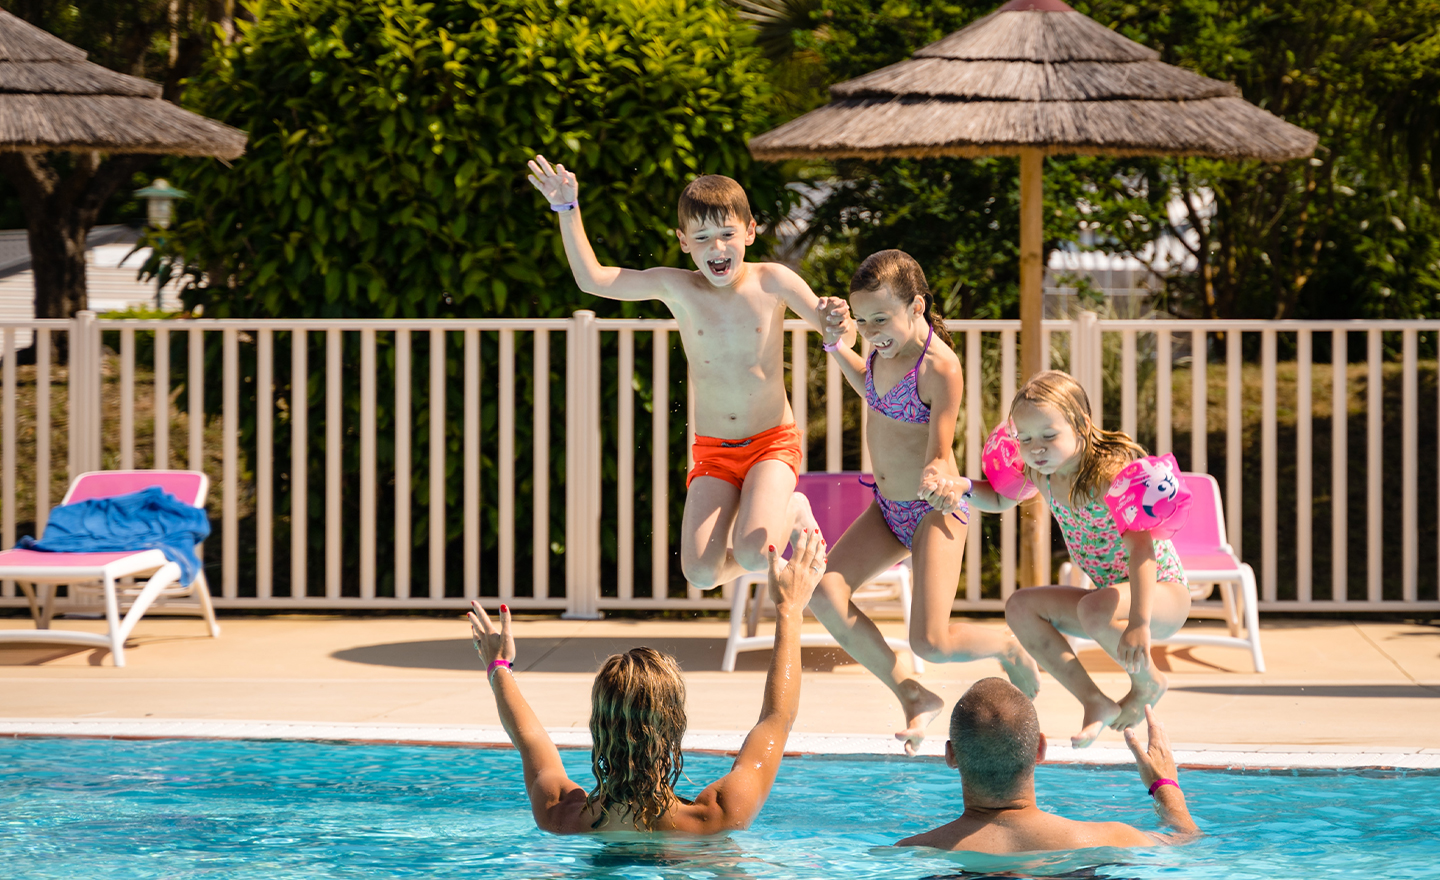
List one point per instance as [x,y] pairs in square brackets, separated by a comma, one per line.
[772,548]
[503,609]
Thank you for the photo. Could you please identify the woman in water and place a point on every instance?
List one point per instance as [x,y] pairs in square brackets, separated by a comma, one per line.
[913,386]
[637,722]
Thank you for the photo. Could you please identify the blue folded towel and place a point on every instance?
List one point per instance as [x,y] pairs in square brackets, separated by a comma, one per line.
[151,519]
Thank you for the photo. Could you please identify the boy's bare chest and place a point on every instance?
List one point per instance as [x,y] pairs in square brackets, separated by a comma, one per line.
[734,328]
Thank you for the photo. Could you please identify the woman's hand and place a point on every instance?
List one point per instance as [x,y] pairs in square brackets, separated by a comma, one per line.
[942,492]
[492,644]
[556,184]
[1134,648]
[835,312]
[794,584]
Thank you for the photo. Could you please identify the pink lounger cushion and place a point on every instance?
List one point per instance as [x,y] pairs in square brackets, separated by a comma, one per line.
[41,559]
[184,485]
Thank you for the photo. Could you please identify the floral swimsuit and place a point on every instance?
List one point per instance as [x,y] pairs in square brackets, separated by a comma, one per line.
[903,404]
[1096,547]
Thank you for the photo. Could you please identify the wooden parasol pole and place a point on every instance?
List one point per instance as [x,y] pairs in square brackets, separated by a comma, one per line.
[1034,518]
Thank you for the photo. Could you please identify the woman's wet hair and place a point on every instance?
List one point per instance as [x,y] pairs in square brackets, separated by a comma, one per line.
[902,276]
[637,720]
[1103,453]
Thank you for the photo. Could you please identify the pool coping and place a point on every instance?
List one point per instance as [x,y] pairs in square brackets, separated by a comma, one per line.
[1191,756]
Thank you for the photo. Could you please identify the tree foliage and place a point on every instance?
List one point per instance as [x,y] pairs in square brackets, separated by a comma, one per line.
[385,177]
[1354,232]
[385,174]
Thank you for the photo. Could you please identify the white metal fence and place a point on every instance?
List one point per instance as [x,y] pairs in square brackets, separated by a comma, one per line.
[330,438]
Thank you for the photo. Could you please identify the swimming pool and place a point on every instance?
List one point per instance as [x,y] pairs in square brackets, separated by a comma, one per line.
[72,808]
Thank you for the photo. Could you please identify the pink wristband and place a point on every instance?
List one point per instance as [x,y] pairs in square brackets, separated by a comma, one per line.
[1154,786]
[831,346]
[495,664]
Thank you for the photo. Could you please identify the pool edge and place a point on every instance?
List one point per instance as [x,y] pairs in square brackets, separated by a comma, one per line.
[1269,757]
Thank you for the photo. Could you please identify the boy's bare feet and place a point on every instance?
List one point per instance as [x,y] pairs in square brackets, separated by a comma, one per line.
[1020,667]
[1144,691]
[921,705]
[801,516]
[1099,713]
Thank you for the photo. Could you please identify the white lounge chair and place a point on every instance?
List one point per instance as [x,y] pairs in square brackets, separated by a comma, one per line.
[837,499]
[101,572]
[1209,561]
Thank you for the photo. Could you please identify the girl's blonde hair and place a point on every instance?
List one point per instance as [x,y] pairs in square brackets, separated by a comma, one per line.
[1103,453]
[637,719]
[900,272]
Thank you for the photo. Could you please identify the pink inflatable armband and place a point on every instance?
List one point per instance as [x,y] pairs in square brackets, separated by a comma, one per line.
[1000,460]
[1147,495]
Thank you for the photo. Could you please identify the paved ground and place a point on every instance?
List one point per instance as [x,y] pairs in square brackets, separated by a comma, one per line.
[1332,686]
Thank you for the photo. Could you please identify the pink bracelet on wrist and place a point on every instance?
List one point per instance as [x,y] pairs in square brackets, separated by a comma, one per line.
[1154,786]
[497,663]
[832,346]
[565,206]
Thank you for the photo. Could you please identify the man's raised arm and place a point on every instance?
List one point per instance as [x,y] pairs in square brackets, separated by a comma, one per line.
[1156,764]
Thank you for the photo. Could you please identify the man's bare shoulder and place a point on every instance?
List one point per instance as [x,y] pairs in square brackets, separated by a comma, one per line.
[1048,834]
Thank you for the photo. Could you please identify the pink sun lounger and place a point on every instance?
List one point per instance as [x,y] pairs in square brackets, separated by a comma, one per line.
[83,572]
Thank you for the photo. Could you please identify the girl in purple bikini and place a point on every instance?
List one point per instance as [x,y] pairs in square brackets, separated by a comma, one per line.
[913,386]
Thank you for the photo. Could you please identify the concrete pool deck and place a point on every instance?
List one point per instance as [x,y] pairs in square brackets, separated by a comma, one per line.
[1346,693]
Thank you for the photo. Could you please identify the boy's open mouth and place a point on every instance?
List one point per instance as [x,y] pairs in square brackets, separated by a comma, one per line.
[719,267]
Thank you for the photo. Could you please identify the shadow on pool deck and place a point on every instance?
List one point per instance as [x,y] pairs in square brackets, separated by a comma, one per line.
[582,654]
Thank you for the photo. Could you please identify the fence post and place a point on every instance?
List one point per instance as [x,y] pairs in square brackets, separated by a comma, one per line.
[1086,355]
[84,396]
[582,468]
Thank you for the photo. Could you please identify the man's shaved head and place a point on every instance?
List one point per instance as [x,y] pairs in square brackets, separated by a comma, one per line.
[996,735]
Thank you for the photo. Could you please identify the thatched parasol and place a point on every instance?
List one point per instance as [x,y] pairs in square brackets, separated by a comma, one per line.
[1034,78]
[51,98]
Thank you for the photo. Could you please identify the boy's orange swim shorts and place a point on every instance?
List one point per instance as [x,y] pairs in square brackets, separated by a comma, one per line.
[731,460]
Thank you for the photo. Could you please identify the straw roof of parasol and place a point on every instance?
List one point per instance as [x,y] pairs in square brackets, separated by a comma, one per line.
[1025,77]
[51,98]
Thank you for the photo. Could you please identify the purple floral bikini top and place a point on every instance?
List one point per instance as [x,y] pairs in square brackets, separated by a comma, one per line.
[902,402]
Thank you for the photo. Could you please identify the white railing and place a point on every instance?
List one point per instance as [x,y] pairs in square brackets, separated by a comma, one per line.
[356,395]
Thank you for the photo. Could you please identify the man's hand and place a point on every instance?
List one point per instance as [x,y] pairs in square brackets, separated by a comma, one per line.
[942,492]
[795,583]
[557,185]
[1134,648]
[835,312]
[1155,761]
[491,643]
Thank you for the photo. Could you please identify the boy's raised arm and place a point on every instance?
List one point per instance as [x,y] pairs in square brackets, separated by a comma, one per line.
[733,801]
[561,189]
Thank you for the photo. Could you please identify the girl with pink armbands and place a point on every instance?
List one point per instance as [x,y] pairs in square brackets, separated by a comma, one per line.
[913,386]
[1115,507]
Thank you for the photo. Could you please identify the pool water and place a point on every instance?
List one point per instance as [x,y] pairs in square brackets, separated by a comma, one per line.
[243,809]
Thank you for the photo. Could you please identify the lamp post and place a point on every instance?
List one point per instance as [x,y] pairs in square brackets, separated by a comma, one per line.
[160,199]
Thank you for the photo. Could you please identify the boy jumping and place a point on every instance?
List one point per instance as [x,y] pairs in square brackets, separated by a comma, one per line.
[741,496]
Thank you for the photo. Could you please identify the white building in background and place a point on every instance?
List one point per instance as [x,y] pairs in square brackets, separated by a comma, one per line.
[112,266]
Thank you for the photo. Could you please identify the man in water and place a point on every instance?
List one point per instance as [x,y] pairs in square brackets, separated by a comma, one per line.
[995,743]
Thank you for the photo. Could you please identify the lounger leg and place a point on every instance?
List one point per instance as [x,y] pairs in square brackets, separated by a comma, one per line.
[1232,616]
[1252,618]
[202,590]
[48,598]
[168,574]
[737,619]
[112,615]
[905,598]
[29,591]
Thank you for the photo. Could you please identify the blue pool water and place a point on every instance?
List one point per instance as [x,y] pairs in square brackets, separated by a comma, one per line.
[111,809]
